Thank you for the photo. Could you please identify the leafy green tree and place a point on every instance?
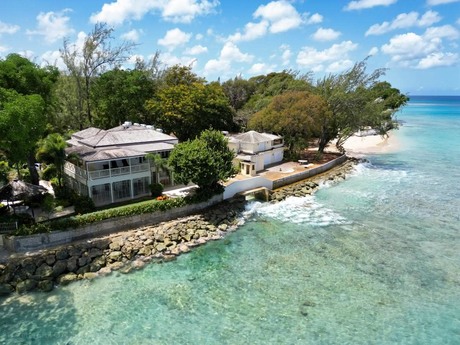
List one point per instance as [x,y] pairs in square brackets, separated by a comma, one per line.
[119,95]
[51,150]
[353,98]
[186,106]
[22,124]
[159,163]
[294,115]
[205,161]
[26,106]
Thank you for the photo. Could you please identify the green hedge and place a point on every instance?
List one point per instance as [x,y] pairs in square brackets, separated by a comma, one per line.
[89,218]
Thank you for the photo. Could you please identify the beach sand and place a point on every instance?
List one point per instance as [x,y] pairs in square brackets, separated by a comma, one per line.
[372,144]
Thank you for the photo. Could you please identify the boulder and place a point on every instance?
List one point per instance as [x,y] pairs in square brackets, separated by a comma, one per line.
[44,271]
[114,256]
[89,275]
[72,264]
[67,278]
[26,285]
[5,289]
[59,268]
[50,259]
[62,254]
[94,252]
[45,285]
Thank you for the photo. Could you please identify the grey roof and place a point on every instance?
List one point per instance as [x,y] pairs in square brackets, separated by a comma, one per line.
[126,137]
[92,155]
[154,147]
[255,137]
[88,133]
[93,144]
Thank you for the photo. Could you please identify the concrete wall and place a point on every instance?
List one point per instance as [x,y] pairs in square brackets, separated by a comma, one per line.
[247,184]
[105,227]
[308,173]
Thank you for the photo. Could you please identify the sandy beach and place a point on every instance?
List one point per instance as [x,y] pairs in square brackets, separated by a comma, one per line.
[372,144]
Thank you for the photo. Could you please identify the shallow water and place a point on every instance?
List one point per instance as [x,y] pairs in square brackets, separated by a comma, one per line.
[372,260]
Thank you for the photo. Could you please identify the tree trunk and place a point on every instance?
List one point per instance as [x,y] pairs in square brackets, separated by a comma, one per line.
[34,178]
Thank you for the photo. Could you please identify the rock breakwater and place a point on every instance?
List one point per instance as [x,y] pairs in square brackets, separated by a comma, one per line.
[122,252]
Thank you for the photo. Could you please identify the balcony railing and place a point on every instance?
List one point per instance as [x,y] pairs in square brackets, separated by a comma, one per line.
[104,173]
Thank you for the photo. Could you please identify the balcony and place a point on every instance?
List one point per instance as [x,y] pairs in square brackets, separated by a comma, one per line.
[111,172]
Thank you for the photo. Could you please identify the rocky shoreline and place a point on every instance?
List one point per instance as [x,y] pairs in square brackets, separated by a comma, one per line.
[133,249]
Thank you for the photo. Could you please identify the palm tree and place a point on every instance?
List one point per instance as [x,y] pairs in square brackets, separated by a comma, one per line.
[159,164]
[52,150]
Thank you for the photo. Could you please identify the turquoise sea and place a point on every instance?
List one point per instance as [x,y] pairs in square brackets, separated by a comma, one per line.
[372,260]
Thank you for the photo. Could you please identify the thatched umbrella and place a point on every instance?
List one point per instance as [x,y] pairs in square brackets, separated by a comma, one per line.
[20,190]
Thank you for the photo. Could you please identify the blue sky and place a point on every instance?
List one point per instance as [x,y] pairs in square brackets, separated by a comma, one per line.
[417,40]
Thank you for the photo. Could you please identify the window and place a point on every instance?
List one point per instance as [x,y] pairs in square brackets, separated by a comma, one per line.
[122,189]
[101,194]
[141,186]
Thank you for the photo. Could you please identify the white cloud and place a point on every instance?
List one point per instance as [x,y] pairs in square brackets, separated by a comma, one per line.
[281,15]
[171,60]
[338,66]
[405,20]
[184,11]
[251,32]
[440,2]
[199,37]
[336,55]
[325,34]
[286,55]
[132,35]
[196,50]
[53,58]
[6,28]
[179,11]
[174,38]
[53,26]
[230,53]
[445,31]
[437,60]
[373,51]
[422,51]
[261,68]
[314,19]
[363,4]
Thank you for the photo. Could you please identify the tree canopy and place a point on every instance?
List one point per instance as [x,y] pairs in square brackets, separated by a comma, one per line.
[295,115]
[205,161]
[186,106]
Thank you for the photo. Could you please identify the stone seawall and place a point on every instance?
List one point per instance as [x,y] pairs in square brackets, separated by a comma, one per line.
[105,227]
[124,252]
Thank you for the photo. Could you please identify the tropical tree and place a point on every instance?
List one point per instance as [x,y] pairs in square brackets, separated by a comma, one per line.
[26,106]
[159,164]
[294,115]
[51,150]
[186,106]
[93,58]
[119,95]
[21,126]
[205,161]
[353,101]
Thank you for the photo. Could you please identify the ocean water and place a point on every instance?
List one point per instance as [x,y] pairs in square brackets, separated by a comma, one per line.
[372,260]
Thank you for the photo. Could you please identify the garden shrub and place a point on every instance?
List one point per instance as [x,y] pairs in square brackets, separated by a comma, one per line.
[49,172]
[84,204]
[156,189]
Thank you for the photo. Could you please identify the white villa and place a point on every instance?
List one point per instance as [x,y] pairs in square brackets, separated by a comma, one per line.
[111,166]
[255,151]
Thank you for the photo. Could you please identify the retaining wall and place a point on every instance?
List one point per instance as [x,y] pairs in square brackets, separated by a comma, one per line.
[308,173]
[105,227]
[244,185]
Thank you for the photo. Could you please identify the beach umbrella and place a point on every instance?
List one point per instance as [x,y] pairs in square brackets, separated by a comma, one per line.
[20,190]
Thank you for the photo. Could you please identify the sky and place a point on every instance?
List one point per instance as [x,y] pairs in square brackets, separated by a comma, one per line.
[417,41]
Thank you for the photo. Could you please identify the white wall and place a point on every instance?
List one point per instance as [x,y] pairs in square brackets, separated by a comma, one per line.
[245,185]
